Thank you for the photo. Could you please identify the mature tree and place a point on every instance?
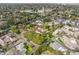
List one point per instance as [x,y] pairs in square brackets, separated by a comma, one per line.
[15,29]
[28,48]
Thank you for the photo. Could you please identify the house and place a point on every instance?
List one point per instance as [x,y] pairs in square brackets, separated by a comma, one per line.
[38,22]
[13,51]
[1,42]
[38,26]
[57,46]
[15,43]
[38,29]
[3,24]
[69,37]
[6,39]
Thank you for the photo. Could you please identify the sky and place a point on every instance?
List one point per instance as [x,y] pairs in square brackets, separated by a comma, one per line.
[39,1]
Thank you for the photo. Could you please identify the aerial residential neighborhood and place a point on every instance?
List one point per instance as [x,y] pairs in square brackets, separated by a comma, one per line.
[39,29]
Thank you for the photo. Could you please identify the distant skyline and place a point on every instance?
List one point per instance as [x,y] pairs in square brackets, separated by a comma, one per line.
[44,3]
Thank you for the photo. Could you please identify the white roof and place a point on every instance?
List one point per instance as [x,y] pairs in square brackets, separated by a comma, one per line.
[1,42]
